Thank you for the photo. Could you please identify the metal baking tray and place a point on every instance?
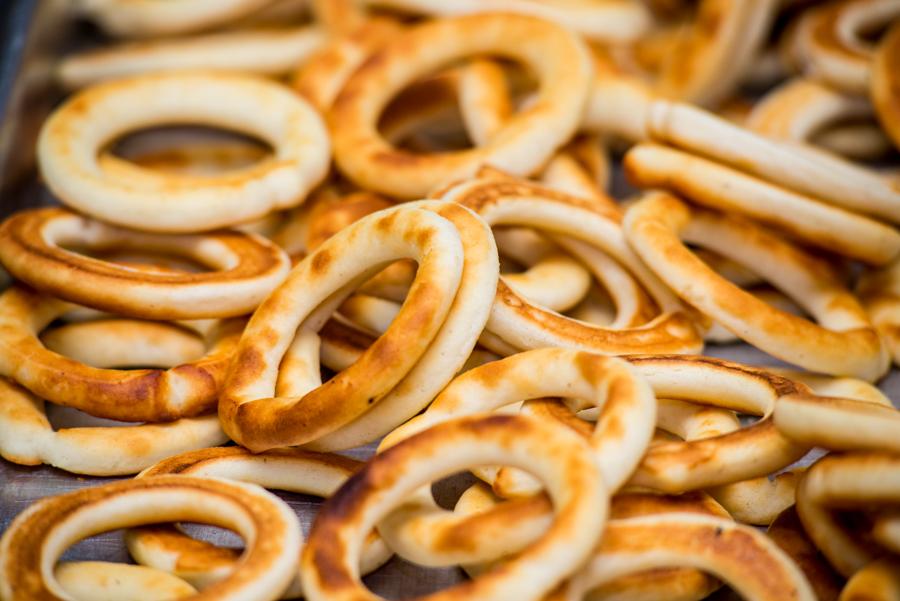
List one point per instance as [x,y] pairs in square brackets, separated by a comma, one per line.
[33,34]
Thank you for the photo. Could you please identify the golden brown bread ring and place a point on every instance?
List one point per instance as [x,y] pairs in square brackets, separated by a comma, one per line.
[268,51]
[558,57]
[845,344]
[445,316]
[885,86]
[839,485]
[509,201]
[879,291]
[200,563]
[248,267]
[158,17]
[71,138]
[153,395]
[878,581]
[553,454]
[37,537]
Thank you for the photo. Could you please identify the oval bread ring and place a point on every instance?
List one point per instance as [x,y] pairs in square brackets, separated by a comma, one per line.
[264,52]
[718,186]
[746,559]
[92,580]
[879,291]
[675,584]
[754,451]
[202,564]
[847,482]
[152,395]
[28,438]
[568,473]
[524,325]
[389,366]
[801,108]
[158,17]
[885,86]
[831,179]
[71,137]
[836,50]
[248,267]
[321,79]
[845,344]
[787,532]
[559,59]
[878,581]
[611,21]
[37,537]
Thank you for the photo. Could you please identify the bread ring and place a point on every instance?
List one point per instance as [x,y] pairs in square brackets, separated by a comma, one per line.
[845,344]
[102,580]
[446,312]
[718,186]
[847,482]
[568,473]
[185,390]
[611,21]
[878,581]
[787,532]
[265,52]
[836,50]
[526,326]
[879,291]
[71,137]
[202,564]
[146,18]
[885,86]
[830,179]
[559,59]
[28,438]
[839,424]
[37,537]
[751,452]
[740,555]
[248,267]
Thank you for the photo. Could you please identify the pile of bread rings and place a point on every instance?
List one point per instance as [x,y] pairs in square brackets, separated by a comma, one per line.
[413,244]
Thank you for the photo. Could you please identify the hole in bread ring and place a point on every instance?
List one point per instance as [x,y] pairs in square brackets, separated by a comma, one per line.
[844,344]
[72,137]
[561,63]
[589,232]
[28,438]
[839,485]
[202,564]
[557,457]
[452,286]
[247,267]
[39,535]
[185,390]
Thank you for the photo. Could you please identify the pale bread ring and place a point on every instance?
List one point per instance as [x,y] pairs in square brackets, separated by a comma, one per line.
[28,438]
[719,186]
[845,344]
[568,474]
[605,21]
[525,325]
[269,51]
[559,59]
[105,581]
[144,18]
[389,366]
[885,87]
[839,424]
[188,389]
[72,136]
[879,291]
[37,537]
[202,564]
[247,267]
[847,482]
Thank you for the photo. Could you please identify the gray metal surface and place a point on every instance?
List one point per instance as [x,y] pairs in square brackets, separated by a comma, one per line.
[31,34]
